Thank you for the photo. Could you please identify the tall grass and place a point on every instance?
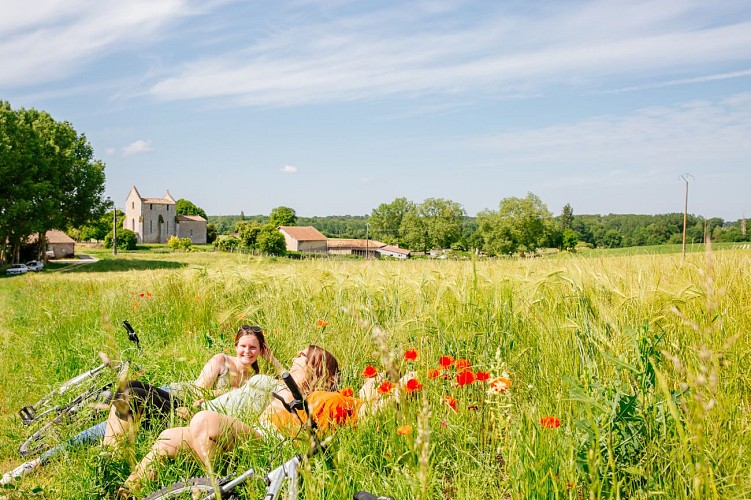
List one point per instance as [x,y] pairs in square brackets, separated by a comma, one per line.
[643,359]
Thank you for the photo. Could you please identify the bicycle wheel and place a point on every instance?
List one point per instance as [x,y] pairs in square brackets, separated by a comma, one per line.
[50,406]
[194,489]
[69,420]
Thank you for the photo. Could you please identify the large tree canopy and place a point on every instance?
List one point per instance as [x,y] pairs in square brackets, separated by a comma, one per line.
[519,225]
[186,207]
[49,178]
[386,220]
[283,216]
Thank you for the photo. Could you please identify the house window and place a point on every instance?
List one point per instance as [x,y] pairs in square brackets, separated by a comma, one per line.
[168,208]
[191,232]
[133,225]
[133,205]
[151,226]
[151,206]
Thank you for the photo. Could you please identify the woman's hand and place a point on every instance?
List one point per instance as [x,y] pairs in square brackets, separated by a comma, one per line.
[184,413]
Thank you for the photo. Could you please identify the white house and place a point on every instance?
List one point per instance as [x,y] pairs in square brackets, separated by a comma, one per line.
[154,220]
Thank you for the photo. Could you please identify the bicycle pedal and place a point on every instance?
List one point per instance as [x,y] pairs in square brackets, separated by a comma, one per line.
[27,414]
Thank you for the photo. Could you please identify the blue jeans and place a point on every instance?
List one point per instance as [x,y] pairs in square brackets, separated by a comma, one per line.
[91,435]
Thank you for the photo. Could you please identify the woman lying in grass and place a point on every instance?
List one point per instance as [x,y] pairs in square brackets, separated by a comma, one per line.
[138,401]
[210,432]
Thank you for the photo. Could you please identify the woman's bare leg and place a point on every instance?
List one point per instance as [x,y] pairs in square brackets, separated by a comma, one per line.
[211,432]
[169,443]
[118,429]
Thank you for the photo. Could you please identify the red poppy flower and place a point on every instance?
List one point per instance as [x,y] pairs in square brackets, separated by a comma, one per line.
[451,402]
[472,407]
[148,294]
[322,323]
[347,392]
[482,376]
[413,385]
[465,378]
[385,387]
[433,373]
[410,355]
[446,361]
[462,364]
[550,422]
[404,430]
[141,294]
[369,372]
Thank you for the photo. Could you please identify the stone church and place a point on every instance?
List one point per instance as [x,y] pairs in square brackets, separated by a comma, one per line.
[154,220]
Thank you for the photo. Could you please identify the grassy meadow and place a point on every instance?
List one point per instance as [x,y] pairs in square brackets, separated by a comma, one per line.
[629,374]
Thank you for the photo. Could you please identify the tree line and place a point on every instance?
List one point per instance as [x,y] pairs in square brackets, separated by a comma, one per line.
[517,226]
[50,179]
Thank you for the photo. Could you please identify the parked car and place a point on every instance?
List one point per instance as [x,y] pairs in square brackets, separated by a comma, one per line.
[17,269]
[35,266]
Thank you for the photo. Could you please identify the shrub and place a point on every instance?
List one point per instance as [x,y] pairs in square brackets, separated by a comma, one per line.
[176,243]
[126,240]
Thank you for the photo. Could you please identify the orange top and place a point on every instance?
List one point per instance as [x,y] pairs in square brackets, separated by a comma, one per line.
[327,409]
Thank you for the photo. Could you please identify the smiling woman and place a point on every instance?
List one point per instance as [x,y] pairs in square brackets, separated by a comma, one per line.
[140,402]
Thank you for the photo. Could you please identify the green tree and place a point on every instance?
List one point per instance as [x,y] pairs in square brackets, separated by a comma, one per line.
[98,229]
[434,223]
[186,207]
[283,216]
[569,240]
[49,178]
[271,241]
[386,220]
[247,232]
[567,217]
[211,233]
[519,225]
[126,240]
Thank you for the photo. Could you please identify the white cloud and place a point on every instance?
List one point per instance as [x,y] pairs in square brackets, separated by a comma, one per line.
[288,169]
[693,133]
[368,180]
[56,39]
[110,151]
[409,52]
[138,147]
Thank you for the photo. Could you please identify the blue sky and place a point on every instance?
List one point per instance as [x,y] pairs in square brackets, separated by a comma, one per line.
[334,107]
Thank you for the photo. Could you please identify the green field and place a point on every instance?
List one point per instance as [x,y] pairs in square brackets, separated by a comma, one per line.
[642,358]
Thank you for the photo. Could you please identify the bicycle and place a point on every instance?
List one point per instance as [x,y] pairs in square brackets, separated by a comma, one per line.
[69,403]
[204,488]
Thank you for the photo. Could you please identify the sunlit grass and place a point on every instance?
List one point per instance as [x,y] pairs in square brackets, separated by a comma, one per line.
[643,358]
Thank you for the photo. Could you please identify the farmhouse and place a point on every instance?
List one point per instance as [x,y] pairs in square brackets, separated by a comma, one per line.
[393,251]
[59,244]
[306,239]
[154,220]
[364,248]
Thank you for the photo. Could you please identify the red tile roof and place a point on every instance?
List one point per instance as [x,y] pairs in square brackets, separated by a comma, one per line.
[354,243]
[395,249]
[194,218]
[53,236]
[157,201]
[303,233]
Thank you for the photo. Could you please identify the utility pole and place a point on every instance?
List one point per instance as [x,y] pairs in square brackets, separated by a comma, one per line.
[114,229]
[685,178]
[367,241]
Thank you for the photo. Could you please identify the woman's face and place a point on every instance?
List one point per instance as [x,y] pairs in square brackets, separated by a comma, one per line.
[300,362]
[248,349]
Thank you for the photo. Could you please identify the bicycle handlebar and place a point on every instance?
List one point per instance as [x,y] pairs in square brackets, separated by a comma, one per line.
[298,402]
[132,335]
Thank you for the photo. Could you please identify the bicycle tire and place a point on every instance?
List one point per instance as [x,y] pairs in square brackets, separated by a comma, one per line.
[51,433]
[50,406]
[195,488]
